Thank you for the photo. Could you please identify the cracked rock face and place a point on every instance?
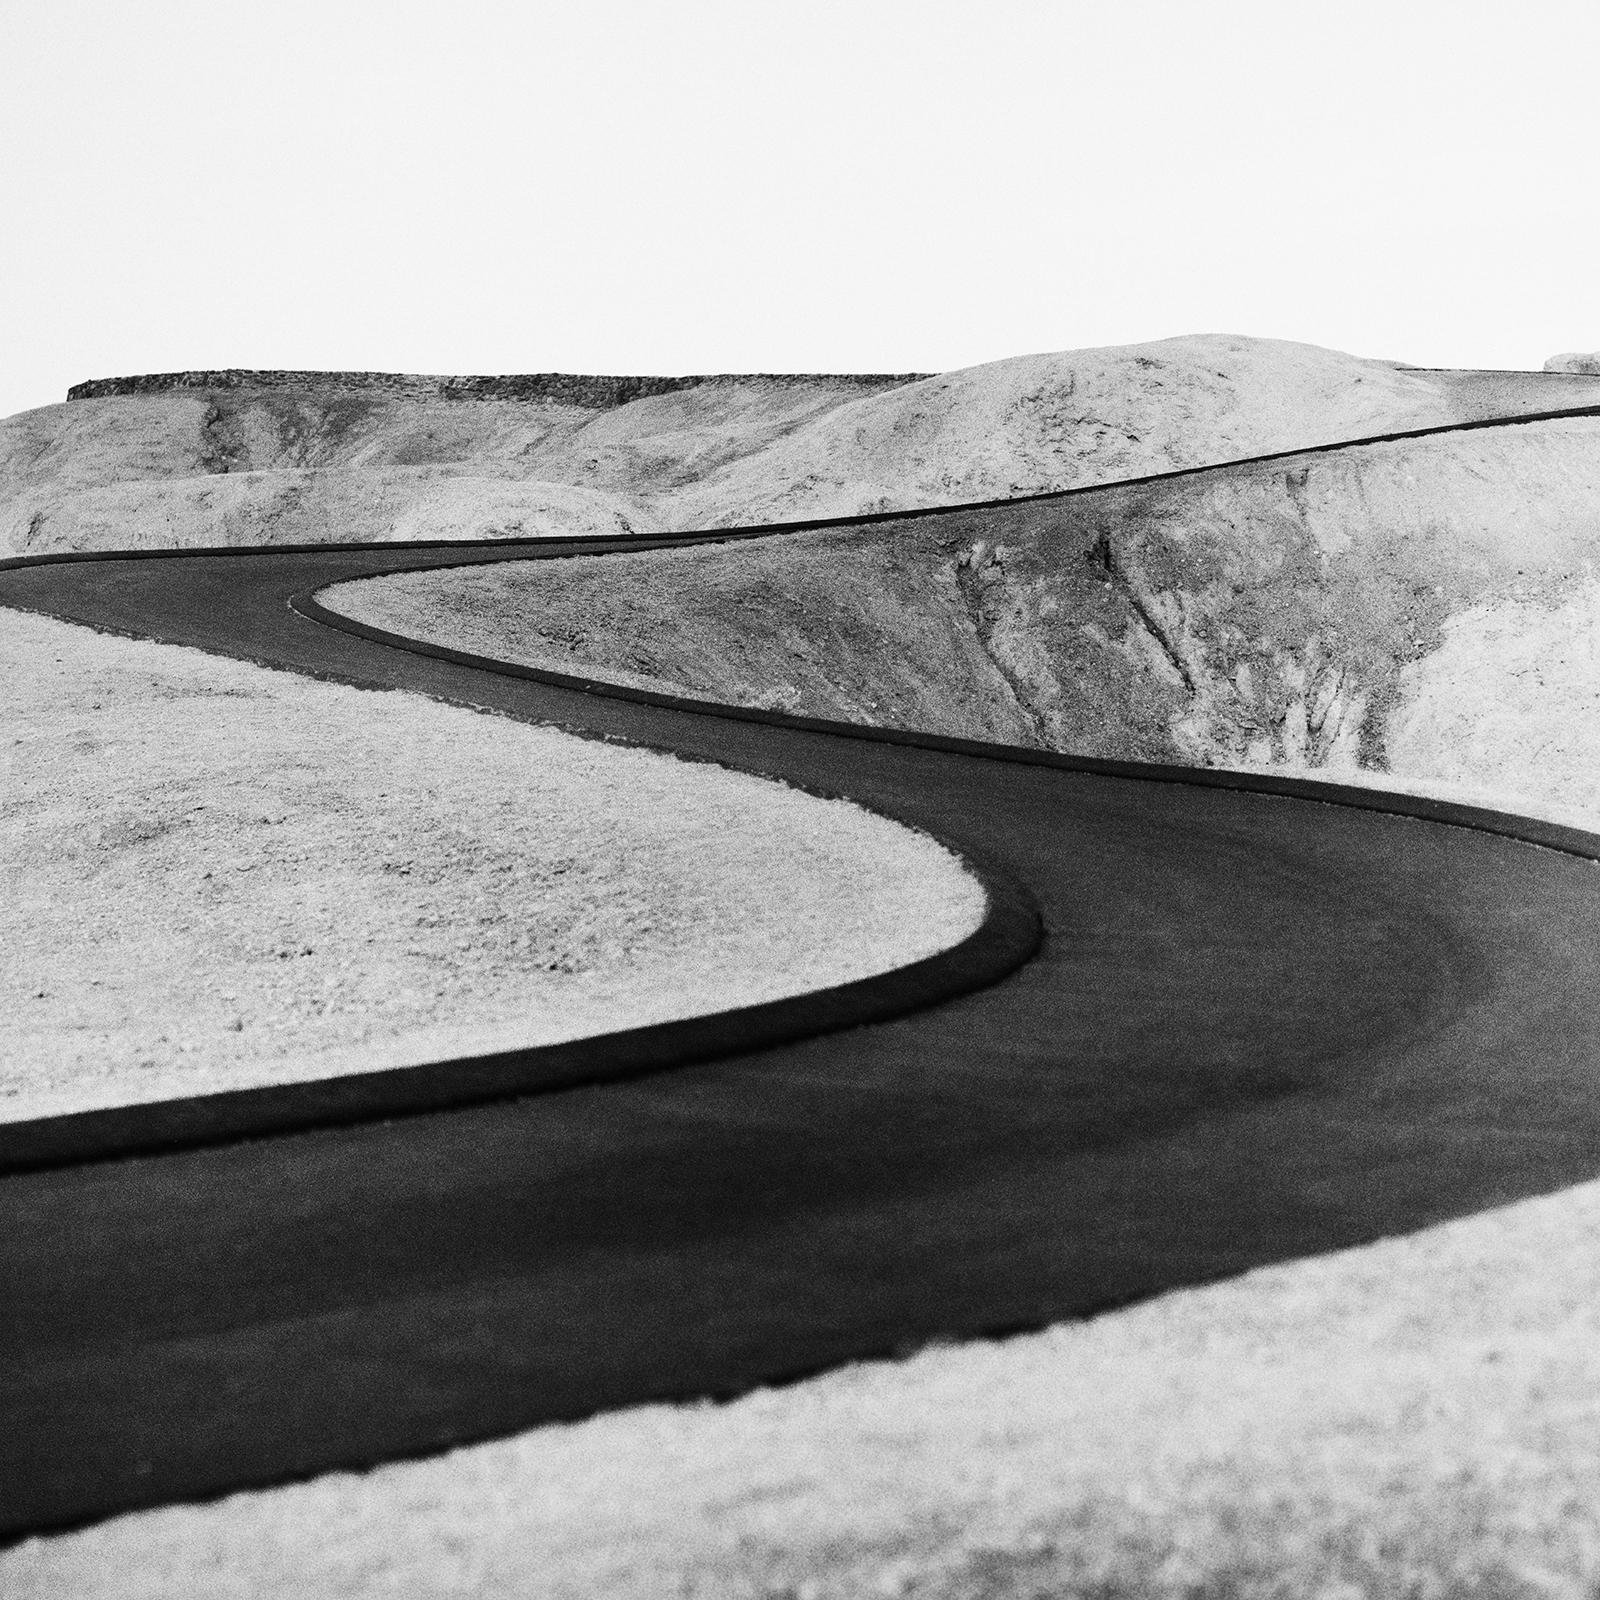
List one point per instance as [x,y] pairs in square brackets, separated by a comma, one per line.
[1299,615]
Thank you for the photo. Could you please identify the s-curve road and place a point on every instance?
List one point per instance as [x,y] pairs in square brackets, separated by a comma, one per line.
[1208,1026]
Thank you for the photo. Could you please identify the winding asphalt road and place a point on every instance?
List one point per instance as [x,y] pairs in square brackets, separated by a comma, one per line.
[1211,1023]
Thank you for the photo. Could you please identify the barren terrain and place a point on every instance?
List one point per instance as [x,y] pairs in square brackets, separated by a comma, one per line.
[1416,1418]
[200,896]
[328,459]
[1424,609]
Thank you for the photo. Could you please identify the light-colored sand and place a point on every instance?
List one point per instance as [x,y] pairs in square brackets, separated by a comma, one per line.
[1510,703]
[353,464]
[1057,421]
[1582,362]
[316,506]
[216,876]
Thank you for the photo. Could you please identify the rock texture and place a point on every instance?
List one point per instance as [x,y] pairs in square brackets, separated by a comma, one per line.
[598,392]
[1038,423]
[135,463]
[334,462]
[1401,607]
[1586,363]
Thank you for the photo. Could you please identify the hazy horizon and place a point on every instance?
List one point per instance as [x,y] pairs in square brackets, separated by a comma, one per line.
[707,187]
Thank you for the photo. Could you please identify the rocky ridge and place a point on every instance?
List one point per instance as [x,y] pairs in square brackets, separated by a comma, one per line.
[597,391]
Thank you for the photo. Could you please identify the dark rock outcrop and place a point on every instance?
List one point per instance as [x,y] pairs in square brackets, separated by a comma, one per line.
[600,393]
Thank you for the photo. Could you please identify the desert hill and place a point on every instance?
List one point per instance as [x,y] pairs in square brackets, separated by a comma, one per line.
[1423,609]
[1402,610]
[1420,609]
[219,459]
[1038,423]
[270,458]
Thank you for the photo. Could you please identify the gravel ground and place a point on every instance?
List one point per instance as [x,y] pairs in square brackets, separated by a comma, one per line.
[217,876]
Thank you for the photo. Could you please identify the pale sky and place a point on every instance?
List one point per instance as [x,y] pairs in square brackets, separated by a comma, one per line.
[615,186]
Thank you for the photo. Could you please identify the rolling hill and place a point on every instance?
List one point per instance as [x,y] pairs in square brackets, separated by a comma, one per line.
[197,459]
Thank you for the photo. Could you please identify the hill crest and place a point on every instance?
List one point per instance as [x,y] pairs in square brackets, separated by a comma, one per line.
[599,392]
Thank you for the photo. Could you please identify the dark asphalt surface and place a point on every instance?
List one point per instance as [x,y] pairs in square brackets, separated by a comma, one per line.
[1257,1027]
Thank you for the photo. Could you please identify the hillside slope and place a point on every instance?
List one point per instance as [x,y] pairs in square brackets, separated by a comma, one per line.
[1039,423]
[1421,608]
[330,460]
[307,457]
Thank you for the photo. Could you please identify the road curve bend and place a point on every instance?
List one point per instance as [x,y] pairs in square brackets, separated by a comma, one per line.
[1211,1022]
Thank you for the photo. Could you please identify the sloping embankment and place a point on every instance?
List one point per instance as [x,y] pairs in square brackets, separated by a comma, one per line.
[1341,611]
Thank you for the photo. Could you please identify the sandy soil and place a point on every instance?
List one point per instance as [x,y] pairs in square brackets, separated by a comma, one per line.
[341,464]
[1057,421]
[215,876]
[348,464]
[316,506]
[1425,609]
[1510,702]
